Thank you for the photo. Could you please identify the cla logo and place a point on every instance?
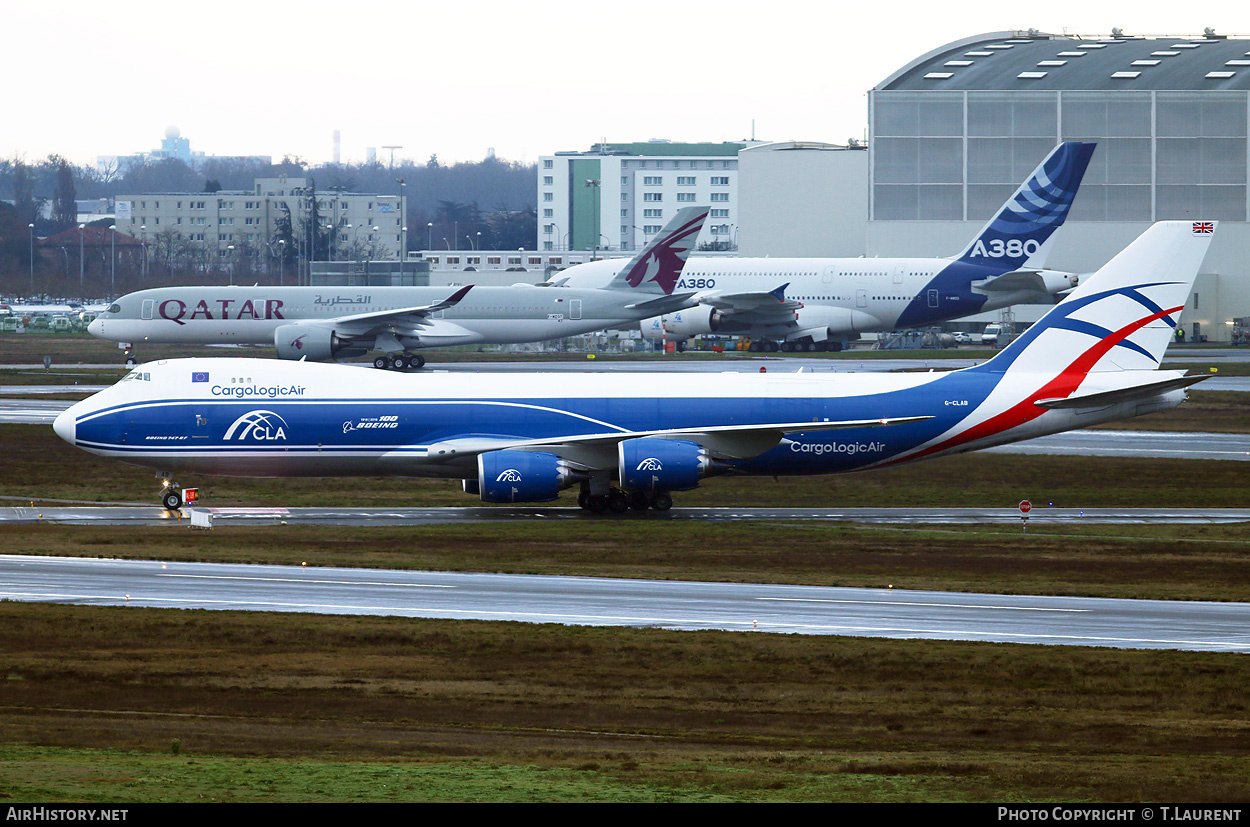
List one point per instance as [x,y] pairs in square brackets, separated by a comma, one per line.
[1015,248]
[259,426]
[650,464]
[511,475]
[298,341]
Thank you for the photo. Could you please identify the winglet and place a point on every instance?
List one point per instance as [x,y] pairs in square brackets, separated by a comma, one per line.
[780,292]
[657,267]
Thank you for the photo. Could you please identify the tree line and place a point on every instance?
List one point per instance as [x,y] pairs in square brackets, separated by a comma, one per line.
[487,204]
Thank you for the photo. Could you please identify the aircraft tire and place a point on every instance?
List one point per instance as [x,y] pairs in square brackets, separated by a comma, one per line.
[618,502]
[381,363]
[400,362]
[662,501]
[639,501]
[418,361]
[596,503]
[131,361]
[171,499]
[835,347]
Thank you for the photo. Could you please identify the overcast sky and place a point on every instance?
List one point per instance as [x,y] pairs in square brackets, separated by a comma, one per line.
[460,78]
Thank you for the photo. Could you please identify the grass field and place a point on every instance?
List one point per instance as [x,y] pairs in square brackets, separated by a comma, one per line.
[130,705]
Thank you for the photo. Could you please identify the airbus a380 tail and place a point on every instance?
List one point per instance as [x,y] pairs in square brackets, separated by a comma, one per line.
[629,440]
[821,303]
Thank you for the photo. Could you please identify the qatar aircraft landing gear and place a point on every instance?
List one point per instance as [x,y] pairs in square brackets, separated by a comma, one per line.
[401,362]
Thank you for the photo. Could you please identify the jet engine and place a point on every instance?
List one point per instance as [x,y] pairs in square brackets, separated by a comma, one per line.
[522,476]
[835,322]
[311,342]
[654,464]
[1054,281]
[695,321]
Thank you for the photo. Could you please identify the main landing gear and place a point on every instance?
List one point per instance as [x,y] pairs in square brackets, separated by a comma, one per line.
[807,346]
[402,361]
[618,502]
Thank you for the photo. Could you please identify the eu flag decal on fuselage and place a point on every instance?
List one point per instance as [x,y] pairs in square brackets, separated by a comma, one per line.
[200,376]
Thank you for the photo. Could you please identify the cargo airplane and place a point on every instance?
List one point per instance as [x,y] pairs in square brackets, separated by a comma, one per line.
[324,323]
[628,440]
[806,304]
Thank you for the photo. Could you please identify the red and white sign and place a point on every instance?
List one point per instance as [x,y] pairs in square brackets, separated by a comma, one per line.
[1025,506]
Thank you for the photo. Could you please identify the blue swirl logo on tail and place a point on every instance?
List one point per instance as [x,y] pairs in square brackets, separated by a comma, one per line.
[1036,209]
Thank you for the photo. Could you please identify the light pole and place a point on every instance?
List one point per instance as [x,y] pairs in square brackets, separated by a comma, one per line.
[429,241]
[32,259]
[112,260]
[230,261]
[595,184]
[281,262]
[81,290]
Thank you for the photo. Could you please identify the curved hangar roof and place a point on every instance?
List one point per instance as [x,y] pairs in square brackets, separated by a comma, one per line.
[1018,62]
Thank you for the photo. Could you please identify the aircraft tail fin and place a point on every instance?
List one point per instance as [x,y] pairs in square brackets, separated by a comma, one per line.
[1016,236]
[657,267]
[1124,315]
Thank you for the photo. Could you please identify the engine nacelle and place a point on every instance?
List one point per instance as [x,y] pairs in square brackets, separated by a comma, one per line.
[652,329]
[695,321]
[311,342]
[654,464]
[522,476]
[1054,281]
[836,322]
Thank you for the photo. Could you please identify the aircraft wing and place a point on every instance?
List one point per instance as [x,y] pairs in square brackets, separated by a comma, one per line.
[599,450]
[357,324]
[764,308]
[664,304]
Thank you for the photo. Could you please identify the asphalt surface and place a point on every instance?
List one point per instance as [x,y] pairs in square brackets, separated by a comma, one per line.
[589,601]
[1040,514]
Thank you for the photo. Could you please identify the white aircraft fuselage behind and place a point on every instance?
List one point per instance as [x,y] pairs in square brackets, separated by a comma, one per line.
[252,315]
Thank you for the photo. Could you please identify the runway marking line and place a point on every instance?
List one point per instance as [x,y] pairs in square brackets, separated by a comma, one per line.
[927,605]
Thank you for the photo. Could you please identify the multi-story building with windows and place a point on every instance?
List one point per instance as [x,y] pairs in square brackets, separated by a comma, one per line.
[616,196]
[210,228]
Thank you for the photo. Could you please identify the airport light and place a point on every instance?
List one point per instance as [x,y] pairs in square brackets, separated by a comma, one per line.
[32,258]
[429,242]
[595,184]
[81,229]
[113,260]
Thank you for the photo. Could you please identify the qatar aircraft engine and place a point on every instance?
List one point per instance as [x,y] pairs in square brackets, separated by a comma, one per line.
[805,304]
[323,323]
[629,440]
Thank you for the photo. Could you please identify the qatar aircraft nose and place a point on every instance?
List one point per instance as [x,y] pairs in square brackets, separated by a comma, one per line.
[64,425]
[96,328]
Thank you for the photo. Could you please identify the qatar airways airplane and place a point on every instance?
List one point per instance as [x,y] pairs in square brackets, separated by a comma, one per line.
[822,303]
[324,323]
[630,439]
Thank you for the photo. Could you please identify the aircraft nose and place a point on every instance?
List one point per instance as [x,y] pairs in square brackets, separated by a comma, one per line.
[64,425]
[96,328]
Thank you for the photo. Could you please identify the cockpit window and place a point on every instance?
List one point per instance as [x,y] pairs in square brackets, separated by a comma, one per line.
[114,308]
[137,376]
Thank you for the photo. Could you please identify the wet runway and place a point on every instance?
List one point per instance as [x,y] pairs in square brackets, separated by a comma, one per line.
[1042,514]
[592,601]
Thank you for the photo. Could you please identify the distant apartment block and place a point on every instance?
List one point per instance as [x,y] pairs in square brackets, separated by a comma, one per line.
[245,223]
[617,196]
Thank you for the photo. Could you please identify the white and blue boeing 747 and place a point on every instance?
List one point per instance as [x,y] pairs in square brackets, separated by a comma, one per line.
[806,304]
[628,440]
